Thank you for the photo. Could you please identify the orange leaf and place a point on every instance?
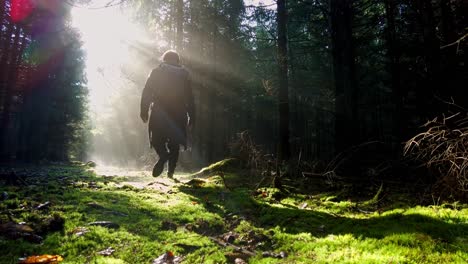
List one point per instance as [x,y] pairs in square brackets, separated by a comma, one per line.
[43,259]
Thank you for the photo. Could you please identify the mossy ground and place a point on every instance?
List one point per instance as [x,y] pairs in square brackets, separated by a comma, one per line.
[184,219]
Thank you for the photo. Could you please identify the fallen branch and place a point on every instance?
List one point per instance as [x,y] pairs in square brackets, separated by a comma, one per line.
[236,248]
[457,42]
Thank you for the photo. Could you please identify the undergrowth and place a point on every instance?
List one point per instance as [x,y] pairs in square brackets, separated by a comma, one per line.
[266,225]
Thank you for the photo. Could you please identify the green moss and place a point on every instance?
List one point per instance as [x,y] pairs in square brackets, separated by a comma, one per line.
[318,229]
[225,165]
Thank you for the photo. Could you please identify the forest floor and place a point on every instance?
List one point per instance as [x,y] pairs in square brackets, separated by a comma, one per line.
[96,216]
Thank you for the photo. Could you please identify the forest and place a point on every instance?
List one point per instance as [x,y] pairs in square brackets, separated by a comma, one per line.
[321,128]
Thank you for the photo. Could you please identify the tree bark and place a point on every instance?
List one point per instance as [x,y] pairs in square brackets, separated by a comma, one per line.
[283,94]
[11,73]
[344,71]
[393,54]
[431,46]
[7,59]
[180,25]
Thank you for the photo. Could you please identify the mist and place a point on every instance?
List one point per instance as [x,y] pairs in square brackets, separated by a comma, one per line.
[119,57]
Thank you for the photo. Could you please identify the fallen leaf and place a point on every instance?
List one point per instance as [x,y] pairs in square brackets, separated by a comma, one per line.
[107,252]
[48,259]
[167,258]
[79,231]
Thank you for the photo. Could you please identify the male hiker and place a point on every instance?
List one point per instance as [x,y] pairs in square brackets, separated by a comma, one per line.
[169,95]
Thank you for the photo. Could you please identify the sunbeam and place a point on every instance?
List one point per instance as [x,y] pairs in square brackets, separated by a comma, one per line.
[108,35]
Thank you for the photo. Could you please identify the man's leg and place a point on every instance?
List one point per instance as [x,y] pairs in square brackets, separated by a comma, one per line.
[173,157]
[160,147]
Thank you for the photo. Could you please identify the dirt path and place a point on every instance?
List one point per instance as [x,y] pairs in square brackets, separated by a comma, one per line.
[142,179]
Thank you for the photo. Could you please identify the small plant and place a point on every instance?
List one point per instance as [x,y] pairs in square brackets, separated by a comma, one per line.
[443,149]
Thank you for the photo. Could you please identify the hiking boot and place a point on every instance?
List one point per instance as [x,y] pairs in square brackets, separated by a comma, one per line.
[158,168]
[170,175]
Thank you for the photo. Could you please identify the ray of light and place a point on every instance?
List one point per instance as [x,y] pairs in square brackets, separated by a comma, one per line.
[108,35]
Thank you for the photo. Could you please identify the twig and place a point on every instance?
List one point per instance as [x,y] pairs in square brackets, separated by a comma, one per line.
[457,42]
[236,248]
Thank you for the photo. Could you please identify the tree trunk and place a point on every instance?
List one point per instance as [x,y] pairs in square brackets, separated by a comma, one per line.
[9,51]
[283,94]
[212,87]
[393,54]
[344,71]
[430,89]
[10,85]
[180,25]
[2,16]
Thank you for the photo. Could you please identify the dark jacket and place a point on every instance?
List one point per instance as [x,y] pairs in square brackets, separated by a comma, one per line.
[169,95]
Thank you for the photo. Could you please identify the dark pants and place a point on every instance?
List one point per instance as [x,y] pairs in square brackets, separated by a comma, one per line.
[167,133]
[167,150]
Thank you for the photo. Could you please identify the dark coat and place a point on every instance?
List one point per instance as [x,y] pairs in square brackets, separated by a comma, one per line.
[169,95]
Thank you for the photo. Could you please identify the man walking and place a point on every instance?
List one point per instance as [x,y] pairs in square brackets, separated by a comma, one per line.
[168,94]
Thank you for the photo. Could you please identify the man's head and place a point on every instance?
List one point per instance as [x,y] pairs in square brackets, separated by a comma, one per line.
[171,57]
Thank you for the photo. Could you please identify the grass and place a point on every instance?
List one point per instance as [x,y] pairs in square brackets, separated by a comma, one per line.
[187,221]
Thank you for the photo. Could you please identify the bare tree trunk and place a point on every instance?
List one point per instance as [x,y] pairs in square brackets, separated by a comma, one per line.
[431,46]
[283,95]
[212,87]
[18,46]
[393,53]
[2,16]
[6,63]
[180,25]
[344,70]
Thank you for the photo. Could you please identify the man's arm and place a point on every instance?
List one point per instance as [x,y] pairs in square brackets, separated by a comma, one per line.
[147,96]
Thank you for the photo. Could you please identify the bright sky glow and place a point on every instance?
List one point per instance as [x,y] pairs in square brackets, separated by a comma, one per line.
[262,2]
[107,34]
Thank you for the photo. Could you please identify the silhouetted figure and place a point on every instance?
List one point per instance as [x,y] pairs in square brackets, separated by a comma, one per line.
[169,95]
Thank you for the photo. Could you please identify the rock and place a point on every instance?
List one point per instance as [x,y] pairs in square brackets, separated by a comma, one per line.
[106,224]
[303,206]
